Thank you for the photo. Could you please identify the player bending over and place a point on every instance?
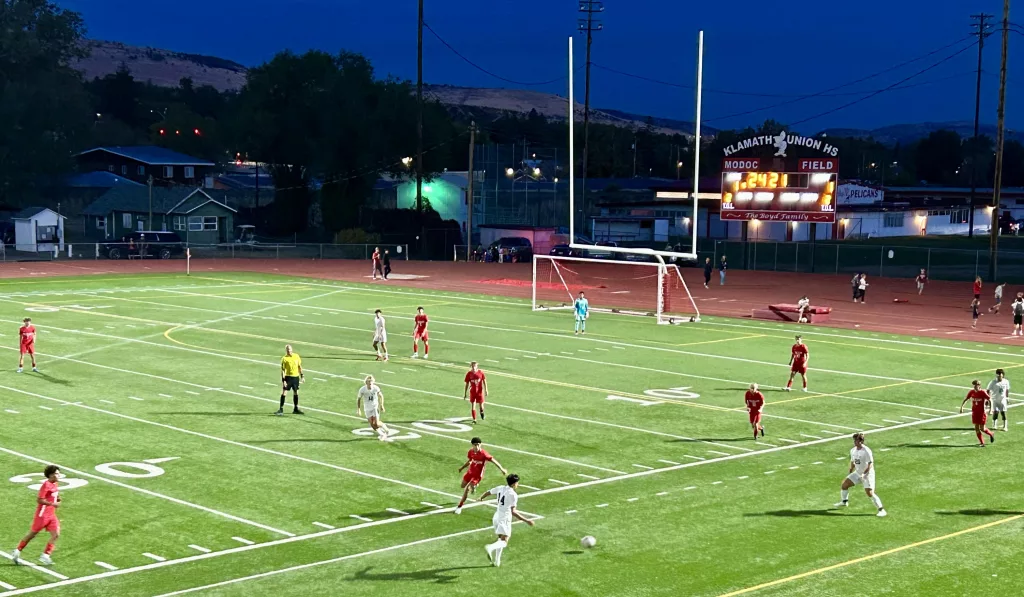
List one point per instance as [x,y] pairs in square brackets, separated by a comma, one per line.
[582,310]
[999,395]
[370,400]
[507,499]
[45,518]
[798,363]
[380,335]
[27,336]
[419,332]
[291,378]
[755,404]
[862,472]
[476,390]
[476,460]
[980,401]
[802,305]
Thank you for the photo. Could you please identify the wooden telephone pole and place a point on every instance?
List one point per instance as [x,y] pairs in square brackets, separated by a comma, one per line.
[982,32]
[469,192]
[1000,137]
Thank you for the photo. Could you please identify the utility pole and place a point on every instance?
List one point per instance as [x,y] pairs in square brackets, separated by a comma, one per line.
[469,191]
[982,33]
[588,25]
[149,182]
[634,155]
[419,111]
[1001,120]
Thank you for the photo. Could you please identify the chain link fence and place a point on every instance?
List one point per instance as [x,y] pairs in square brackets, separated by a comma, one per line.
[94,251]
[892,261]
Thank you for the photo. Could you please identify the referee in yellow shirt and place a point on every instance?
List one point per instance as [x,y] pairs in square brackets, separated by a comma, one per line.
[291,378]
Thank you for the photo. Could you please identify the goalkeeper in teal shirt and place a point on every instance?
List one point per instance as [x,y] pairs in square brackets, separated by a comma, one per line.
[582,310]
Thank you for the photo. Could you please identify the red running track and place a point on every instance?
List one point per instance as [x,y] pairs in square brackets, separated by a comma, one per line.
[943,311]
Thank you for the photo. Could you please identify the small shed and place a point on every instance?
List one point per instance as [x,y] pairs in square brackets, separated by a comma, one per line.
[38,230]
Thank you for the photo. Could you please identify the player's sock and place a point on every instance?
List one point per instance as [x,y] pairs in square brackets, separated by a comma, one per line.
[472,411]
[789,384]
[415,349]
[762,432]
[295,400]
[755,434]
[49,549]
[877,501]
[805,384]
[497,555]
[282,402]
[426,349]
[482,413]
[844,495]
[22,544]
[980,440]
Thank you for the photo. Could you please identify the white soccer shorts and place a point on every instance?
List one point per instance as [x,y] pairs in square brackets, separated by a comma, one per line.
[502,525]
[999,406]
[868,481]
[381,337]
[371,413]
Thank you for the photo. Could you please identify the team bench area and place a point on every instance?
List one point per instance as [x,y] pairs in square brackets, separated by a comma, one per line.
[789,312]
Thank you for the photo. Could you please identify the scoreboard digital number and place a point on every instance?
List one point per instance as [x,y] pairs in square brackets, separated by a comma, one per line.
[805,194]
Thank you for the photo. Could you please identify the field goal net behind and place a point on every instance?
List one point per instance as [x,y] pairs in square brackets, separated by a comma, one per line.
[653,289]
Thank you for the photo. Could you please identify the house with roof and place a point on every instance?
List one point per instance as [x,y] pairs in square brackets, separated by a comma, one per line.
[38,230]
[194,213]
[139,162]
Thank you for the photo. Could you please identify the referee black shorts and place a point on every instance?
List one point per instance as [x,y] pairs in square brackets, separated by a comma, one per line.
[291,383]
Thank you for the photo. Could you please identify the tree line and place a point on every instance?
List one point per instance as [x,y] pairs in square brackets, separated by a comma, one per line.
[327,126]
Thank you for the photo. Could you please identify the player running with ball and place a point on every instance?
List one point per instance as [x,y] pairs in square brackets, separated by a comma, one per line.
[507,499]
[477,459]
[862,472]
[581,307]
[370,400]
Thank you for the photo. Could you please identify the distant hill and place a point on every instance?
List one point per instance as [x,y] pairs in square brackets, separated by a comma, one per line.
[906,133]
[162,67]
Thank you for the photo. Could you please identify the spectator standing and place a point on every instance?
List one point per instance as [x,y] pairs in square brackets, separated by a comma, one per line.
[501,254]
[722,266]
[387,263]
[922,279]
[707,271]
[862,287]
[855,283]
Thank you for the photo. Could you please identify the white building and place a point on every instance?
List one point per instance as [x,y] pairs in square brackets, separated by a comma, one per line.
[38,230]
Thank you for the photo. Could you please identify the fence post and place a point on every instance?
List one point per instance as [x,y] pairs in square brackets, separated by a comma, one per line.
[755,257]
[776,267]
[837,259]
[796,259]
[928,262]
[277,251]
[977,255]
[881,262]
[714,251]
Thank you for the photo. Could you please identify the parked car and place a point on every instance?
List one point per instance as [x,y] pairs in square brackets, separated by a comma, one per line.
[517,248]
[565,250]
[145,244]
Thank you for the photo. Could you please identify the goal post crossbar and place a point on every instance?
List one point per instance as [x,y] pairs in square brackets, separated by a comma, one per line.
[620,287]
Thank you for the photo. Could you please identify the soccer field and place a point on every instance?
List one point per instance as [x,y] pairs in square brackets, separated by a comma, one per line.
[156,394]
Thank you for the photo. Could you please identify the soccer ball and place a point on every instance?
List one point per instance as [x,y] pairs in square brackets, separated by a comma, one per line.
[588,542]
[803,320]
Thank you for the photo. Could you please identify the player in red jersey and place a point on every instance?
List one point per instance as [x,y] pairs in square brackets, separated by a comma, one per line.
[476,460]
[27,335]
[798,363]
[980,402]
[755,404]
[419,332]
[476,390]
[48,500]
[377,266]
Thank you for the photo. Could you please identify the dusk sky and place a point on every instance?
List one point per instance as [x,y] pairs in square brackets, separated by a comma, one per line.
[766,47]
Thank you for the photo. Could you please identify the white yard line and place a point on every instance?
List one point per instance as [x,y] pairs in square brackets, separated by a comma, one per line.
[7,587]
[362,518]
[668,462]
[35,567]
[243,541]
[141,490]
[200,548]
[154,557]
[397,511]
[323,525]
[647,468]
[105,566]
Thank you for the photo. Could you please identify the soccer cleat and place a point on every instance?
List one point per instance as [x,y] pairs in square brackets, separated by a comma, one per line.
[426,356]
[414,356]
[482,416]
[457,510]
[787,388]
[279,412]
[881,513]
[16,557]
[20,370]
[490,554]
[296,411]
[992,439]
[840,504]
[46,560]
[762,432]
[35,370]
[805,389]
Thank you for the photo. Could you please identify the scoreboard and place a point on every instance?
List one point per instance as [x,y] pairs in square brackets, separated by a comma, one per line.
[801,190]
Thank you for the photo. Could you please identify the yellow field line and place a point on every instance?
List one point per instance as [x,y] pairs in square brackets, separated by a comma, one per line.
[891,385]
[873,556]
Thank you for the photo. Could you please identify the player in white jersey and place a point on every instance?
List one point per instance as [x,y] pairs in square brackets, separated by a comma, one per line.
[581,307]
[380,335]
[862,472]
[505,511]
[999,390]
[370,401]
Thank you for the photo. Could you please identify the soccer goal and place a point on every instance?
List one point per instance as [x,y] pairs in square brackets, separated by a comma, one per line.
[651,289]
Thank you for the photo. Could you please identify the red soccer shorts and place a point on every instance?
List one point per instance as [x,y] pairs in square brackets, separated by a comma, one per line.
[800,368]
[755,417]
[473,477]
[424,337]
[28,348]
[979,418]
[45,523]
[476,399]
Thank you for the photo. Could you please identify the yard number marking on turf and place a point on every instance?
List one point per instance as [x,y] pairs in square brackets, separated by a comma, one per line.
[64,484]
[114,470]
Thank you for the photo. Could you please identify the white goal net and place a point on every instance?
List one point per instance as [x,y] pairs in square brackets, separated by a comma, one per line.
[653,289]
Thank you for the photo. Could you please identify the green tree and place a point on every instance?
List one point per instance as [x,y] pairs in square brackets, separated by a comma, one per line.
[939,157]
[44,111]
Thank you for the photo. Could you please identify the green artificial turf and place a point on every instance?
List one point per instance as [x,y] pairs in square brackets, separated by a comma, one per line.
[635,434]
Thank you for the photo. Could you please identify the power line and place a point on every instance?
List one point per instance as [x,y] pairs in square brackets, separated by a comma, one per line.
[847,84]
[778,95]
[484,70]
[874,93]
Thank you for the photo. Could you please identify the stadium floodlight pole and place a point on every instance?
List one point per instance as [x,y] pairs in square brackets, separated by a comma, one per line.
[696,137]
[572,155]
